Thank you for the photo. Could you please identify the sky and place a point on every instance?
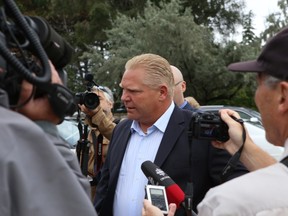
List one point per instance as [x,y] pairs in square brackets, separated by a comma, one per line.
[261,9]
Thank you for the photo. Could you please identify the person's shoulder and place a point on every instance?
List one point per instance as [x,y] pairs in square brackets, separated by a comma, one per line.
[123,124]
[19,134]
[186,113]
[11,119]
[241,193]
[123,121]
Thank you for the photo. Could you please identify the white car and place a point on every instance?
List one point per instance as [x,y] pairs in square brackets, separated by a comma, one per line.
[68,130]
[257,134]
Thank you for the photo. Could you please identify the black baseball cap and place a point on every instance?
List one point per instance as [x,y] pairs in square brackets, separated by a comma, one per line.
[272,60]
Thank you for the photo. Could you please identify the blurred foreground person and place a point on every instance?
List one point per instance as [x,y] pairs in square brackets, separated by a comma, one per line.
[35,178]
[39,174]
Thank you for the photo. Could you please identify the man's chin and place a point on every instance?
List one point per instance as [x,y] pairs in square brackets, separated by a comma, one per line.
[131,115]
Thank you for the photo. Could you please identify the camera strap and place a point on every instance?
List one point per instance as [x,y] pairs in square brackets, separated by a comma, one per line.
[83,149]
[285,161]
[98,150]
[233,161]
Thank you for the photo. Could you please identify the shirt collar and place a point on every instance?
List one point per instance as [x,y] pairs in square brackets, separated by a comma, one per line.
[183,104]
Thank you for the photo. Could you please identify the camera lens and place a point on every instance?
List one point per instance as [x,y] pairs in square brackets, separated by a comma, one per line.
[91,100]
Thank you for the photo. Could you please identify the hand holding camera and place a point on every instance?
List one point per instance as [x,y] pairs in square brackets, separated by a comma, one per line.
[89,99]
[235,132]
[209,126]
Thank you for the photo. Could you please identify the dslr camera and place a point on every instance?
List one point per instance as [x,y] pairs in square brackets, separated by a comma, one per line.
[207,125]
[88,98]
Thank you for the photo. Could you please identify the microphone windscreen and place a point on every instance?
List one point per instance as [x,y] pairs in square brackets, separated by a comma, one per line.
[175,194]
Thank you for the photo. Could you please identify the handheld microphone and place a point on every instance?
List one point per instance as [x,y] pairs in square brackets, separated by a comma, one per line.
[156,176]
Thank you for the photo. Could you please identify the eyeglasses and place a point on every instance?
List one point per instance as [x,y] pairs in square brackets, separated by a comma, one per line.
[178,83]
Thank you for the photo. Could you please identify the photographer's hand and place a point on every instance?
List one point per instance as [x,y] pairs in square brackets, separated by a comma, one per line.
[97,117]
[253,157]
[235,132]
[38,108]
[90,113]
[150,210]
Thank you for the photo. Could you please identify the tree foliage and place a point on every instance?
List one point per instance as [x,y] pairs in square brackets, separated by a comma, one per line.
[276,21]
[168,32]
[106,34]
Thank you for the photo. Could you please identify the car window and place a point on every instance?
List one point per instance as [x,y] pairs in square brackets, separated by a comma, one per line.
[244,115]
[68,130]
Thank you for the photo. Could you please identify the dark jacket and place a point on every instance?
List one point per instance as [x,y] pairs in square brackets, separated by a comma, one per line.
[173,156]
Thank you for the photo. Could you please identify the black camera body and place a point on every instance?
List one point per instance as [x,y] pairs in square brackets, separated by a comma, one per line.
[207,125]
[88,98]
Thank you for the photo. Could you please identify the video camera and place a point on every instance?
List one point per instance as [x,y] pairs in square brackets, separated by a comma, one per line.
[207,125]
[26,45]
[88,98]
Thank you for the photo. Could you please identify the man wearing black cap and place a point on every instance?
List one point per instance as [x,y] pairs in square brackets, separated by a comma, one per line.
[265,191]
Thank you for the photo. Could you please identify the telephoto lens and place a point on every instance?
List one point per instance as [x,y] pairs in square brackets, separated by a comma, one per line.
[89,99]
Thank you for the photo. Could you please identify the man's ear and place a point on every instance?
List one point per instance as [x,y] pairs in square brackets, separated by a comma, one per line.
[163,92]
[183,86]
[110,103]
[283,105]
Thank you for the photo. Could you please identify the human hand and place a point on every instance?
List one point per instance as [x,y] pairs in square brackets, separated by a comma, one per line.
[90,113]
[38,108]
[151,210]
[235,132]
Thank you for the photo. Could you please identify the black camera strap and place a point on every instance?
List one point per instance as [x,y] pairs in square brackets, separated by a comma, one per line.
[285,161]
[232,163]
[83,145]
[98,150]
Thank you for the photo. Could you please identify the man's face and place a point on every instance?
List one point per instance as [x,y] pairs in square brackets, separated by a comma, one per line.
[178,92]
[265,99]
[141,101]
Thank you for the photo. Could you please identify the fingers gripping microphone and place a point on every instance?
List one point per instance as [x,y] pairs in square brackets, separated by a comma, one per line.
[156,176]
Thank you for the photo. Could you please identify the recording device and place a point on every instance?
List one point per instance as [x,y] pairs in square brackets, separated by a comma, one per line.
[206,125]
[156,176]
[26,45]
[157,196]
[88,98]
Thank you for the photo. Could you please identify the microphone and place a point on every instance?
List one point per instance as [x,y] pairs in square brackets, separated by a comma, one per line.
[156,176]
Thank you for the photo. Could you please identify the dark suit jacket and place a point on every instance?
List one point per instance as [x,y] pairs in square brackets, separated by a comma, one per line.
[173,156]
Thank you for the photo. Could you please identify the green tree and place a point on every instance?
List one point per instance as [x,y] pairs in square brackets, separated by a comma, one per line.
[276,21]
[168,32]
[220,15]
[248,34]
[80,22]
